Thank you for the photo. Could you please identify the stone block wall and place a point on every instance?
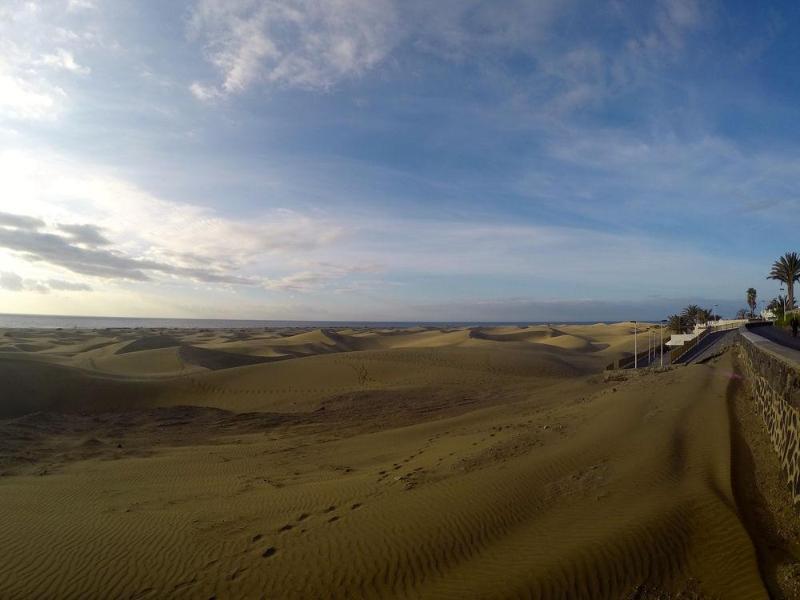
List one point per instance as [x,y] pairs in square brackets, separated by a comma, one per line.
[775,384]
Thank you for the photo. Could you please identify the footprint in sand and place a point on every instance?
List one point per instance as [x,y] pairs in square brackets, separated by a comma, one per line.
[184,584]
[286,527]
[269,552]
[303,517]
[355,506]
[333,518]
[330,509]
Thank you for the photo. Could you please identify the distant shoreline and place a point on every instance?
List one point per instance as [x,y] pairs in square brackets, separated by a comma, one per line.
[18,321]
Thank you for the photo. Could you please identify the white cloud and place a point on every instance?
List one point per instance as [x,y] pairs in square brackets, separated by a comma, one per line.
[673,21]
[678,16]
[317,276]
[38,57]
[460,30]
[297,282]
[12,282]
[287,253]
[77,5]
[295,43]
[88,221]
[62,59]
[315,45]
[67,286]
[206,93]
[28,98]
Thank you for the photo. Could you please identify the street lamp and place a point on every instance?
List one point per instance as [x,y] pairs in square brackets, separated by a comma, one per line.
[653,334]
[653,345]
[635,348]
[784,302]
[663,321]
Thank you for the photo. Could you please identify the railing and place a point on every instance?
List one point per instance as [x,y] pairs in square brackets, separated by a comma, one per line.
[627,362]
[679,352]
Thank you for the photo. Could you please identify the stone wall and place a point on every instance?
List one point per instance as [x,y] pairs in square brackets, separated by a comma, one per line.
[775,384]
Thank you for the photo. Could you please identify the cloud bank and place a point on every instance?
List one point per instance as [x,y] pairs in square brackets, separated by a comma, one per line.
[296,43]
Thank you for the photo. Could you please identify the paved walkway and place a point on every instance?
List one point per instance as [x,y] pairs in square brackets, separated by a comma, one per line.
[776,341]
[707,346]
[779,335]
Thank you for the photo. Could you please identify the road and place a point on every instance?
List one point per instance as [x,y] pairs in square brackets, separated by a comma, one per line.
[656,359]
[707,346]
[718,340]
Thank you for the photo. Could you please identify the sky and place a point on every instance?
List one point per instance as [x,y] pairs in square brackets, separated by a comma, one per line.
[485,160]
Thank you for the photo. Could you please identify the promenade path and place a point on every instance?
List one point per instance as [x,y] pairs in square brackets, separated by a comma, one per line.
[778,335]
[777,340]
[708,346]
[653,360]
[780,342]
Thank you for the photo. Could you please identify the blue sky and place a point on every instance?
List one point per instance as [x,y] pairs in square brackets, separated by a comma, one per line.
[398,160]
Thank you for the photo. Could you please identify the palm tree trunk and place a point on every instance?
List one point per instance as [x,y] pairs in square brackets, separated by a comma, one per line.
[790,291]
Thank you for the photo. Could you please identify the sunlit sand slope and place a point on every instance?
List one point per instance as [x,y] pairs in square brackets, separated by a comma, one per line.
[476,468]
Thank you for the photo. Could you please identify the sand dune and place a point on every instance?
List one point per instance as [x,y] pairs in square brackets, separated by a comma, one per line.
[492,462]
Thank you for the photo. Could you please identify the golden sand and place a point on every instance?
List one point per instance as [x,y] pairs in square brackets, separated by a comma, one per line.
[485,462]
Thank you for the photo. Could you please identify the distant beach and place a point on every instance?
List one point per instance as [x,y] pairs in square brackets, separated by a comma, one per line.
[8,321]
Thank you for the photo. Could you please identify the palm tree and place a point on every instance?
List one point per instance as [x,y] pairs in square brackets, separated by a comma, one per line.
[752,300]
[704,315]
[676,323]
[777,306]
[787,270]
[694,314]
[690,313]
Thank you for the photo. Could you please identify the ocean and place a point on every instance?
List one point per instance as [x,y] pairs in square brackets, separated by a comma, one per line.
[72,322]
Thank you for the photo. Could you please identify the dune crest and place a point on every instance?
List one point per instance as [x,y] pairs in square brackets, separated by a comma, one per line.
[483,462]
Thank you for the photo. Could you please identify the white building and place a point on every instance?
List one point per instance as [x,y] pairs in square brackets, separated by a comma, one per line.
[679,339]
[768,315]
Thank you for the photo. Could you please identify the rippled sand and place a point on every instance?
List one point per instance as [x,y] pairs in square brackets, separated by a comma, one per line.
[487,462]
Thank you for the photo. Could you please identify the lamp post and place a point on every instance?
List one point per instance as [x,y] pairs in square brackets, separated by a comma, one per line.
[784,302]
[662,342]
[653,334]
[653,346]
[635,348]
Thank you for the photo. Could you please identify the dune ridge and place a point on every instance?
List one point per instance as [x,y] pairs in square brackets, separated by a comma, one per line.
[484,462]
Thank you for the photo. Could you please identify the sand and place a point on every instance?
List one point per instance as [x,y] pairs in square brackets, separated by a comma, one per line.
[484,462]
